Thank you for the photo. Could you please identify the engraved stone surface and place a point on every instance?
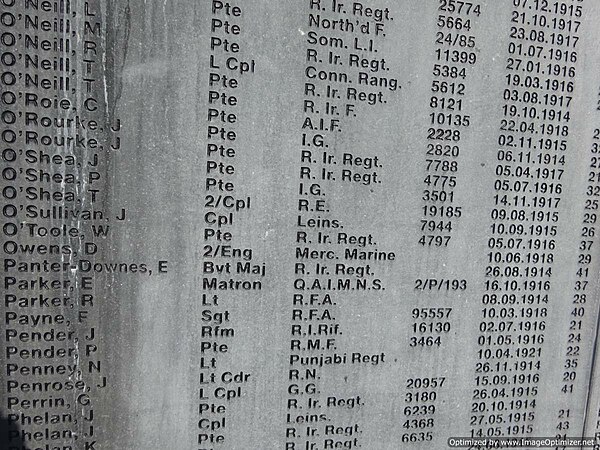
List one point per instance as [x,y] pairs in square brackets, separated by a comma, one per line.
[299,225]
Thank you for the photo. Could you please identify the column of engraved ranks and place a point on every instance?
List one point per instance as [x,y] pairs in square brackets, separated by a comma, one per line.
[225,265]
[50,174]
[344,78]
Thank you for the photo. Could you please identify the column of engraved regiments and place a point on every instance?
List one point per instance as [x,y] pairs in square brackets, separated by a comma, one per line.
[538,305]
[230,271]
[337,264]
[53,146]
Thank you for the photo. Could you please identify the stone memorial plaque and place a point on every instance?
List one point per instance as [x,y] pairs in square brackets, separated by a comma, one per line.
[299,225]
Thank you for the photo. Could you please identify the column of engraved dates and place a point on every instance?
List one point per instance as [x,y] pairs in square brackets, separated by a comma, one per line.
[531,155]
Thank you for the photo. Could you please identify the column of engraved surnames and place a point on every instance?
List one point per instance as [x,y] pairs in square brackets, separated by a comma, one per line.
[54,142]
[229,268]
[336,265]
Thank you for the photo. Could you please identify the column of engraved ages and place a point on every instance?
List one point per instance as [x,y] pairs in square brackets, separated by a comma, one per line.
[344,77]
[580,340]
[521,301]
[225,267]
[578,312]
[589,230]
[53,145]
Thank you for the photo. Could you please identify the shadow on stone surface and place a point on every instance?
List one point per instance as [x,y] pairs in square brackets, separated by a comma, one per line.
[10,434]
